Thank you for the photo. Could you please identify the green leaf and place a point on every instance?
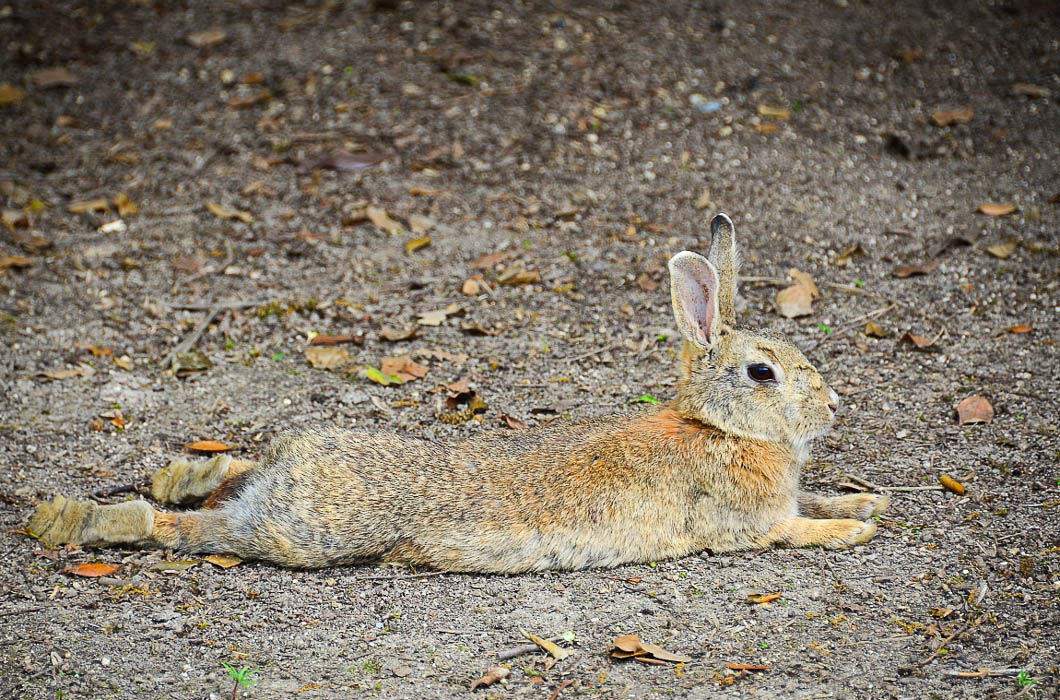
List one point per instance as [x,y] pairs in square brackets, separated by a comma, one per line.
[278,356]
[380,377]
[825,327]
[464,79]
[646,398]
[568,636]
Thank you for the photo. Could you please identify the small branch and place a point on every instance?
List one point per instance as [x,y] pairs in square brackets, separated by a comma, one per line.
[506,654]
[931,657]
[399,577]
[223,305]
[855,322]
[984,673]
[189,342]
[127,488]
[876,487]
[6,613]
[606,348]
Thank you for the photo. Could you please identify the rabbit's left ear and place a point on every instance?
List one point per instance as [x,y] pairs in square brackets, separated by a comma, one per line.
[726,262]
[694,293]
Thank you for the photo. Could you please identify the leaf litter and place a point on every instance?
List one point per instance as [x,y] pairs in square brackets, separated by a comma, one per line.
[974,409]
[797,300]
[629,646]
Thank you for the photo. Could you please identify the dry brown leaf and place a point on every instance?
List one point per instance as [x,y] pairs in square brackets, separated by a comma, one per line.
[420,224]
[382,220]
[225,561]
[747,667]
[758,598]
[7,261]
[9,94]
[797,300]
[518,275]
[460,386]
[848,255]
[874,330]
[909,56]
[491,677]
[223,212]
[89,205]
[345,161]
[996,209]
[1004,250]
[395,335]
[1030,90]
[767,128]
[403,368]
[773,112]
[414,244]
[1021,328]
[557,652]
[473,286]
[945,117]
[629,646]
[425,192]
[82,370]
[951,484]
[321,339]
[207,37]
[513,423]
[125,362]
[252,100]
[15,218]
[209,446]
[52,77]
[124,205]
[917,340]
[487,262]
[432,318]
[92,570]
[915,270]
[974,409]
[327,357]
[703,201]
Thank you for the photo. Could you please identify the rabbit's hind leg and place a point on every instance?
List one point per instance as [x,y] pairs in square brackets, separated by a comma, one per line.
[65,521]
[808,532]
[859,506]
[187,481]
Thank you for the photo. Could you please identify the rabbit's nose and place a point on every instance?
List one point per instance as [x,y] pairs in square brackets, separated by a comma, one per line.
[833,401]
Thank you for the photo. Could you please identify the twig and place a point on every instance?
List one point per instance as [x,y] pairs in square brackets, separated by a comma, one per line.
[984,673]
[6,613]
[189,342]
[127,488]
[876,487]
[399,577]
[931,657]
[506,654]
[222,305]
[557,691]
[584,355]
[876,313]
[230,257]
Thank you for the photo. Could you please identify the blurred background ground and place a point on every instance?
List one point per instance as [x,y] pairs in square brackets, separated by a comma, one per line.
[161,159]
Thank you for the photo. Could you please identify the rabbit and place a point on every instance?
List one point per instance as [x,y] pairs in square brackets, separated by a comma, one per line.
[717,468]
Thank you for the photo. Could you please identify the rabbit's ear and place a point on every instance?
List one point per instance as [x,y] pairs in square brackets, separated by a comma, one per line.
[723,255]
[694,292]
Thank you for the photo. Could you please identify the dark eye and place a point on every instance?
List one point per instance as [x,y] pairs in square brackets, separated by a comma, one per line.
[761,373]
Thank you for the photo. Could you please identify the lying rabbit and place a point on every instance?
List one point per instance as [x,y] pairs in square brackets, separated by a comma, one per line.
[716,468]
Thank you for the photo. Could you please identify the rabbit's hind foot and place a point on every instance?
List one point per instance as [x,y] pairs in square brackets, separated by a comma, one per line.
[65,521]
[187,481]
[808,532]
[857,506]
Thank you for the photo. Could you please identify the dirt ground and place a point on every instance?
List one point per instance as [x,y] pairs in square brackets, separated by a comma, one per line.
[586,143]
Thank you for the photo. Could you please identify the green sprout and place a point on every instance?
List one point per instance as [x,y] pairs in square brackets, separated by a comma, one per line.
[646,398]
[241,676]
[825,327]
[1025,679]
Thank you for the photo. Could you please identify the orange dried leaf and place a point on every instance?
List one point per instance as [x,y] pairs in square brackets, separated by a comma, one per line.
[488,261]
[327,357]
[382,220]
[630,646]
[424,192]
[974,409]
[513,423]
[747,667]
[518,275]
[491,677]
[996,209]
[403,368]
[914,270]
[758,598]
[225,561]
[797,300]
[773,112]
[89,205]
[209,446]
[9,94]
[414,244]
[945,117]
[321,339]
[1021,328]
[917,340]
[7,261]
[874,330]
[205,38]
[223,212]
[951,484]
[93,570]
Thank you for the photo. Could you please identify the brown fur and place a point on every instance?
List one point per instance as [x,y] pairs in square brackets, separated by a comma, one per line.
[717,468]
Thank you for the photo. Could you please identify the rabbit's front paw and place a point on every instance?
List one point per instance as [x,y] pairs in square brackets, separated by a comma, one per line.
[809,532]
[845,533]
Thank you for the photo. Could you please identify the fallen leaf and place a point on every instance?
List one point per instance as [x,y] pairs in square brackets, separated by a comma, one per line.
[1021,328]
[252,100]
[115,226]
[1004,250]
[996,209]
[205,38]
[478,329]
[703,200]
[647,283]
[7,261]
[185,363]
[52,77]
[767,128]
[797,300]
[747,667]
[321,339]
[382,221]
[917,340]
[89,205]
[513,423]
[223,212]
[403,368]
[395,335]
[460,386]
[951,484]
[174,567]
[909,56]
[15,218]
[209,446]
[491,677]
[758,598]
[974,409]
[874,330]
[32,242]
[1029,90]
[518,275]
[82,370]
[401,670]
[489,261]
[345,161]
[125,362]
[414,244]
[431,318]
[93,570]
[9,94]
[124,205]
[916,270]
[941,613]
[474,285]
[225,561]
[557,652]
[425,192]
[945,117]
[379,377]
[327,357]
[848,255]
[773,112]
[629,646]
[420,224]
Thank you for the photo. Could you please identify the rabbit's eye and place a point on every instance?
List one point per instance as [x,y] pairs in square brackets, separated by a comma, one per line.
[761,373]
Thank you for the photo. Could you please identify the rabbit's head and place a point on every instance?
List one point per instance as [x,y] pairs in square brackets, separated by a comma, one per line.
[753,384]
